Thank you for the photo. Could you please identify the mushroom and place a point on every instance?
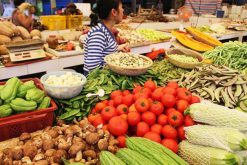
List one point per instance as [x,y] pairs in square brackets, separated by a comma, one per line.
[78,156]
[26,159]
[103,144]
[25,136]
[46,136]
[76,148]
[41,162]
[30,150]
[91,128]
[53,132]
[58,155]
[76,139]
[113,142]
[112,149]
[38,142]
[50,152]
[8,161]
[60,122]
[63,145]
[47,144]
[38,157]
[100,133]
[92,138]
[84,123]
[8,153]
[89,154]
[17,153]
[16,162]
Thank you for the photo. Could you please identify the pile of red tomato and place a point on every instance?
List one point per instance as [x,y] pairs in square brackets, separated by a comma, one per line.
[151,112]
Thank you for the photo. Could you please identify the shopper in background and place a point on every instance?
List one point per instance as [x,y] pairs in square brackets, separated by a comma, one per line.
[23,15]
[100,40]
[204,6]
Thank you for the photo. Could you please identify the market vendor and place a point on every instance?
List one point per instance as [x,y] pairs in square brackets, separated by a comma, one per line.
[100,40]
[23,15]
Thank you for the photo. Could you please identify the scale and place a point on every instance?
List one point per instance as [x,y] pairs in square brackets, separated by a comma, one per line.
[26,50]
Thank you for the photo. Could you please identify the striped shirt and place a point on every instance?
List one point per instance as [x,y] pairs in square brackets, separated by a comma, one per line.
[99,42]
[204,6]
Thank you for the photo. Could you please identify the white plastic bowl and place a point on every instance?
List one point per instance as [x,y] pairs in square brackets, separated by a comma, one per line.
[62,92]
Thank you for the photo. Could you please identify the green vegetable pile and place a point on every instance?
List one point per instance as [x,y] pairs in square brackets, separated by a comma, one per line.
[231,54]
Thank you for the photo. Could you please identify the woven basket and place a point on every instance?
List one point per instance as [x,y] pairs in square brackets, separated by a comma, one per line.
[127,70]
[186,52]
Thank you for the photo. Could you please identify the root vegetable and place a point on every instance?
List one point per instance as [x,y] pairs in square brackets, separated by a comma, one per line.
[92,138]
[102,144]
[25,136]
[89,154]
[47,144]
[41,162]
[17,153]
[76,148]
[38,157]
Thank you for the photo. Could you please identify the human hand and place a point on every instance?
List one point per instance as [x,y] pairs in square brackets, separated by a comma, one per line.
[124,48]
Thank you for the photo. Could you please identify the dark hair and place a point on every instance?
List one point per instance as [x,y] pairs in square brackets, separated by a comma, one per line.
[18,2]
[103,9]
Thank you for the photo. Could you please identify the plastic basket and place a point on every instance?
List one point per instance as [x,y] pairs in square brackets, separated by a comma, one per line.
[15,125]
[54,22]
[74,21]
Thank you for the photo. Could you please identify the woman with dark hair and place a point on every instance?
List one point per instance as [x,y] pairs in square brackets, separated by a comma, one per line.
[100,40]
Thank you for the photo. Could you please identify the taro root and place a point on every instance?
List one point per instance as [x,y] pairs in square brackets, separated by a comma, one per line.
[17,153]
[102,144]
[76,148]
[92,138]
[25,136]
[89,154]
[41,162]
[47,144]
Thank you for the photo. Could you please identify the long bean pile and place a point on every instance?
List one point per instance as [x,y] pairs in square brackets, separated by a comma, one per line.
[231,54]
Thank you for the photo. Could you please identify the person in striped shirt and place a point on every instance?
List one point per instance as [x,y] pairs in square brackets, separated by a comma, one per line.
[100,40]
[204,6]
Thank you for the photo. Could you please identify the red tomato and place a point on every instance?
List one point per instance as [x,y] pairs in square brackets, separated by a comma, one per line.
[99,107]
[108,112]
[105,127]
[126,92]
[169,90]
[132,108]
[148,117]
[140,95]
[181,133]
[118,100]
[117,126]
[128,99]
[157,108]
[162,119]
[93,111]
[142,105]
[153,136]
[124,116]
[169,110]
[111,103]
[170,144]
[182,105]
[137,89]
[115,93]
[168,100]
[184,94]
[169,132]
[156,128]
[133,118]
[172,84]
[188,121]
[142,129]
[91,117]
[146,91]
[150,84]
[122,109]
[195,99]
[105,102]
[98,120]
[157,94]
[175,118]
[121,141]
